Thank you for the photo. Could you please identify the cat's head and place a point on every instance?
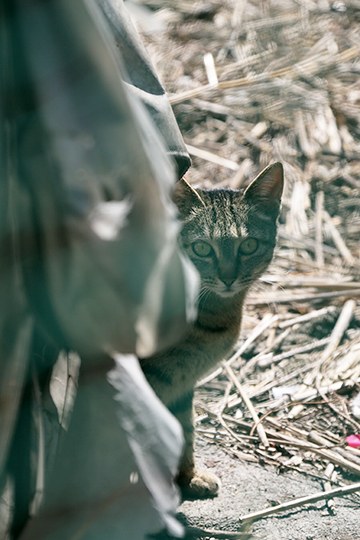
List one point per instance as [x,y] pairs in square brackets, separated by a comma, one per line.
[230,235]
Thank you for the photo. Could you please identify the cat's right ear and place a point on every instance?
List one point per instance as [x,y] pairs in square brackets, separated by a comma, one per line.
[268,186]
[186,197]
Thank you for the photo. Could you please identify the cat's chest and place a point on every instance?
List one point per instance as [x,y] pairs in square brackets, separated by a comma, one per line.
[174,373]
[199,353]
[215,343]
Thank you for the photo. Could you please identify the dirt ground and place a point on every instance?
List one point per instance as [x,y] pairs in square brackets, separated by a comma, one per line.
[248,487]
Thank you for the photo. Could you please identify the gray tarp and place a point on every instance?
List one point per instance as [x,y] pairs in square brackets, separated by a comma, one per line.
[88,252]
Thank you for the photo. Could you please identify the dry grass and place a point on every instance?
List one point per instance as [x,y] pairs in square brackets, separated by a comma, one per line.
[252,82]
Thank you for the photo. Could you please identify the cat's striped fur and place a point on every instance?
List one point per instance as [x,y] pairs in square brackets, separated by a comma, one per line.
[230,237]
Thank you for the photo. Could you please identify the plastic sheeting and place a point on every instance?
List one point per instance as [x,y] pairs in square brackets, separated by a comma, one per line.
[88,231]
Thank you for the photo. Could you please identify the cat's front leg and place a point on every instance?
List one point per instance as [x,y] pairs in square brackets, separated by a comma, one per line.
[194,483]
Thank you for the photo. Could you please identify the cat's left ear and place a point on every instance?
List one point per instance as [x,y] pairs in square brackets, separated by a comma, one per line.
[186,197]
[268,186]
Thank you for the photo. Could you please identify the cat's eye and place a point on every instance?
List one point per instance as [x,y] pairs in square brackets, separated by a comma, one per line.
[248,246]
[201,249]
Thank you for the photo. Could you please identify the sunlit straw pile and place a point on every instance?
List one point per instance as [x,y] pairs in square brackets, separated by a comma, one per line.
[253,82]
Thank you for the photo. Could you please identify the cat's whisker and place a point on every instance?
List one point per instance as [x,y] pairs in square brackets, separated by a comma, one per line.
[266,282]
[202,291]
[204,294]
[262,286]
[259,288]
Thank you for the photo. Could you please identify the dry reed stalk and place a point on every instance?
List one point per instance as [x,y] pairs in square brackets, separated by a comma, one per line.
[340,328]
[307,317]
[196,532]
[272,360]
[258,426]
[287,299]
[318,439]
[319,253]
[331,475]
[321,496]
[309,392]
[210,69]
[321,283]
[309,67]
[338,240]
[213,158]
[348,463]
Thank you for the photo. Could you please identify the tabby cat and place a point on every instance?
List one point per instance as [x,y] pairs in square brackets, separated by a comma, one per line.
[230,237]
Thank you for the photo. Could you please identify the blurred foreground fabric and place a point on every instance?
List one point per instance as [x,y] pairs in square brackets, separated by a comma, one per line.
[88,263]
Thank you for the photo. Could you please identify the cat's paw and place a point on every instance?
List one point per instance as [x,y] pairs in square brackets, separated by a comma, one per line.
[201,485]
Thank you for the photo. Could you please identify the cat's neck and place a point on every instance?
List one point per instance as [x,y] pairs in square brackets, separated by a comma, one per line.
[220,314]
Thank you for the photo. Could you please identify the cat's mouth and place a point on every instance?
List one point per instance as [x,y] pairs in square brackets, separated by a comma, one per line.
[225,291]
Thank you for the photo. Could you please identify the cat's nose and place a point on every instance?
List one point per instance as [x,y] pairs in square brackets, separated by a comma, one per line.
[228,281]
